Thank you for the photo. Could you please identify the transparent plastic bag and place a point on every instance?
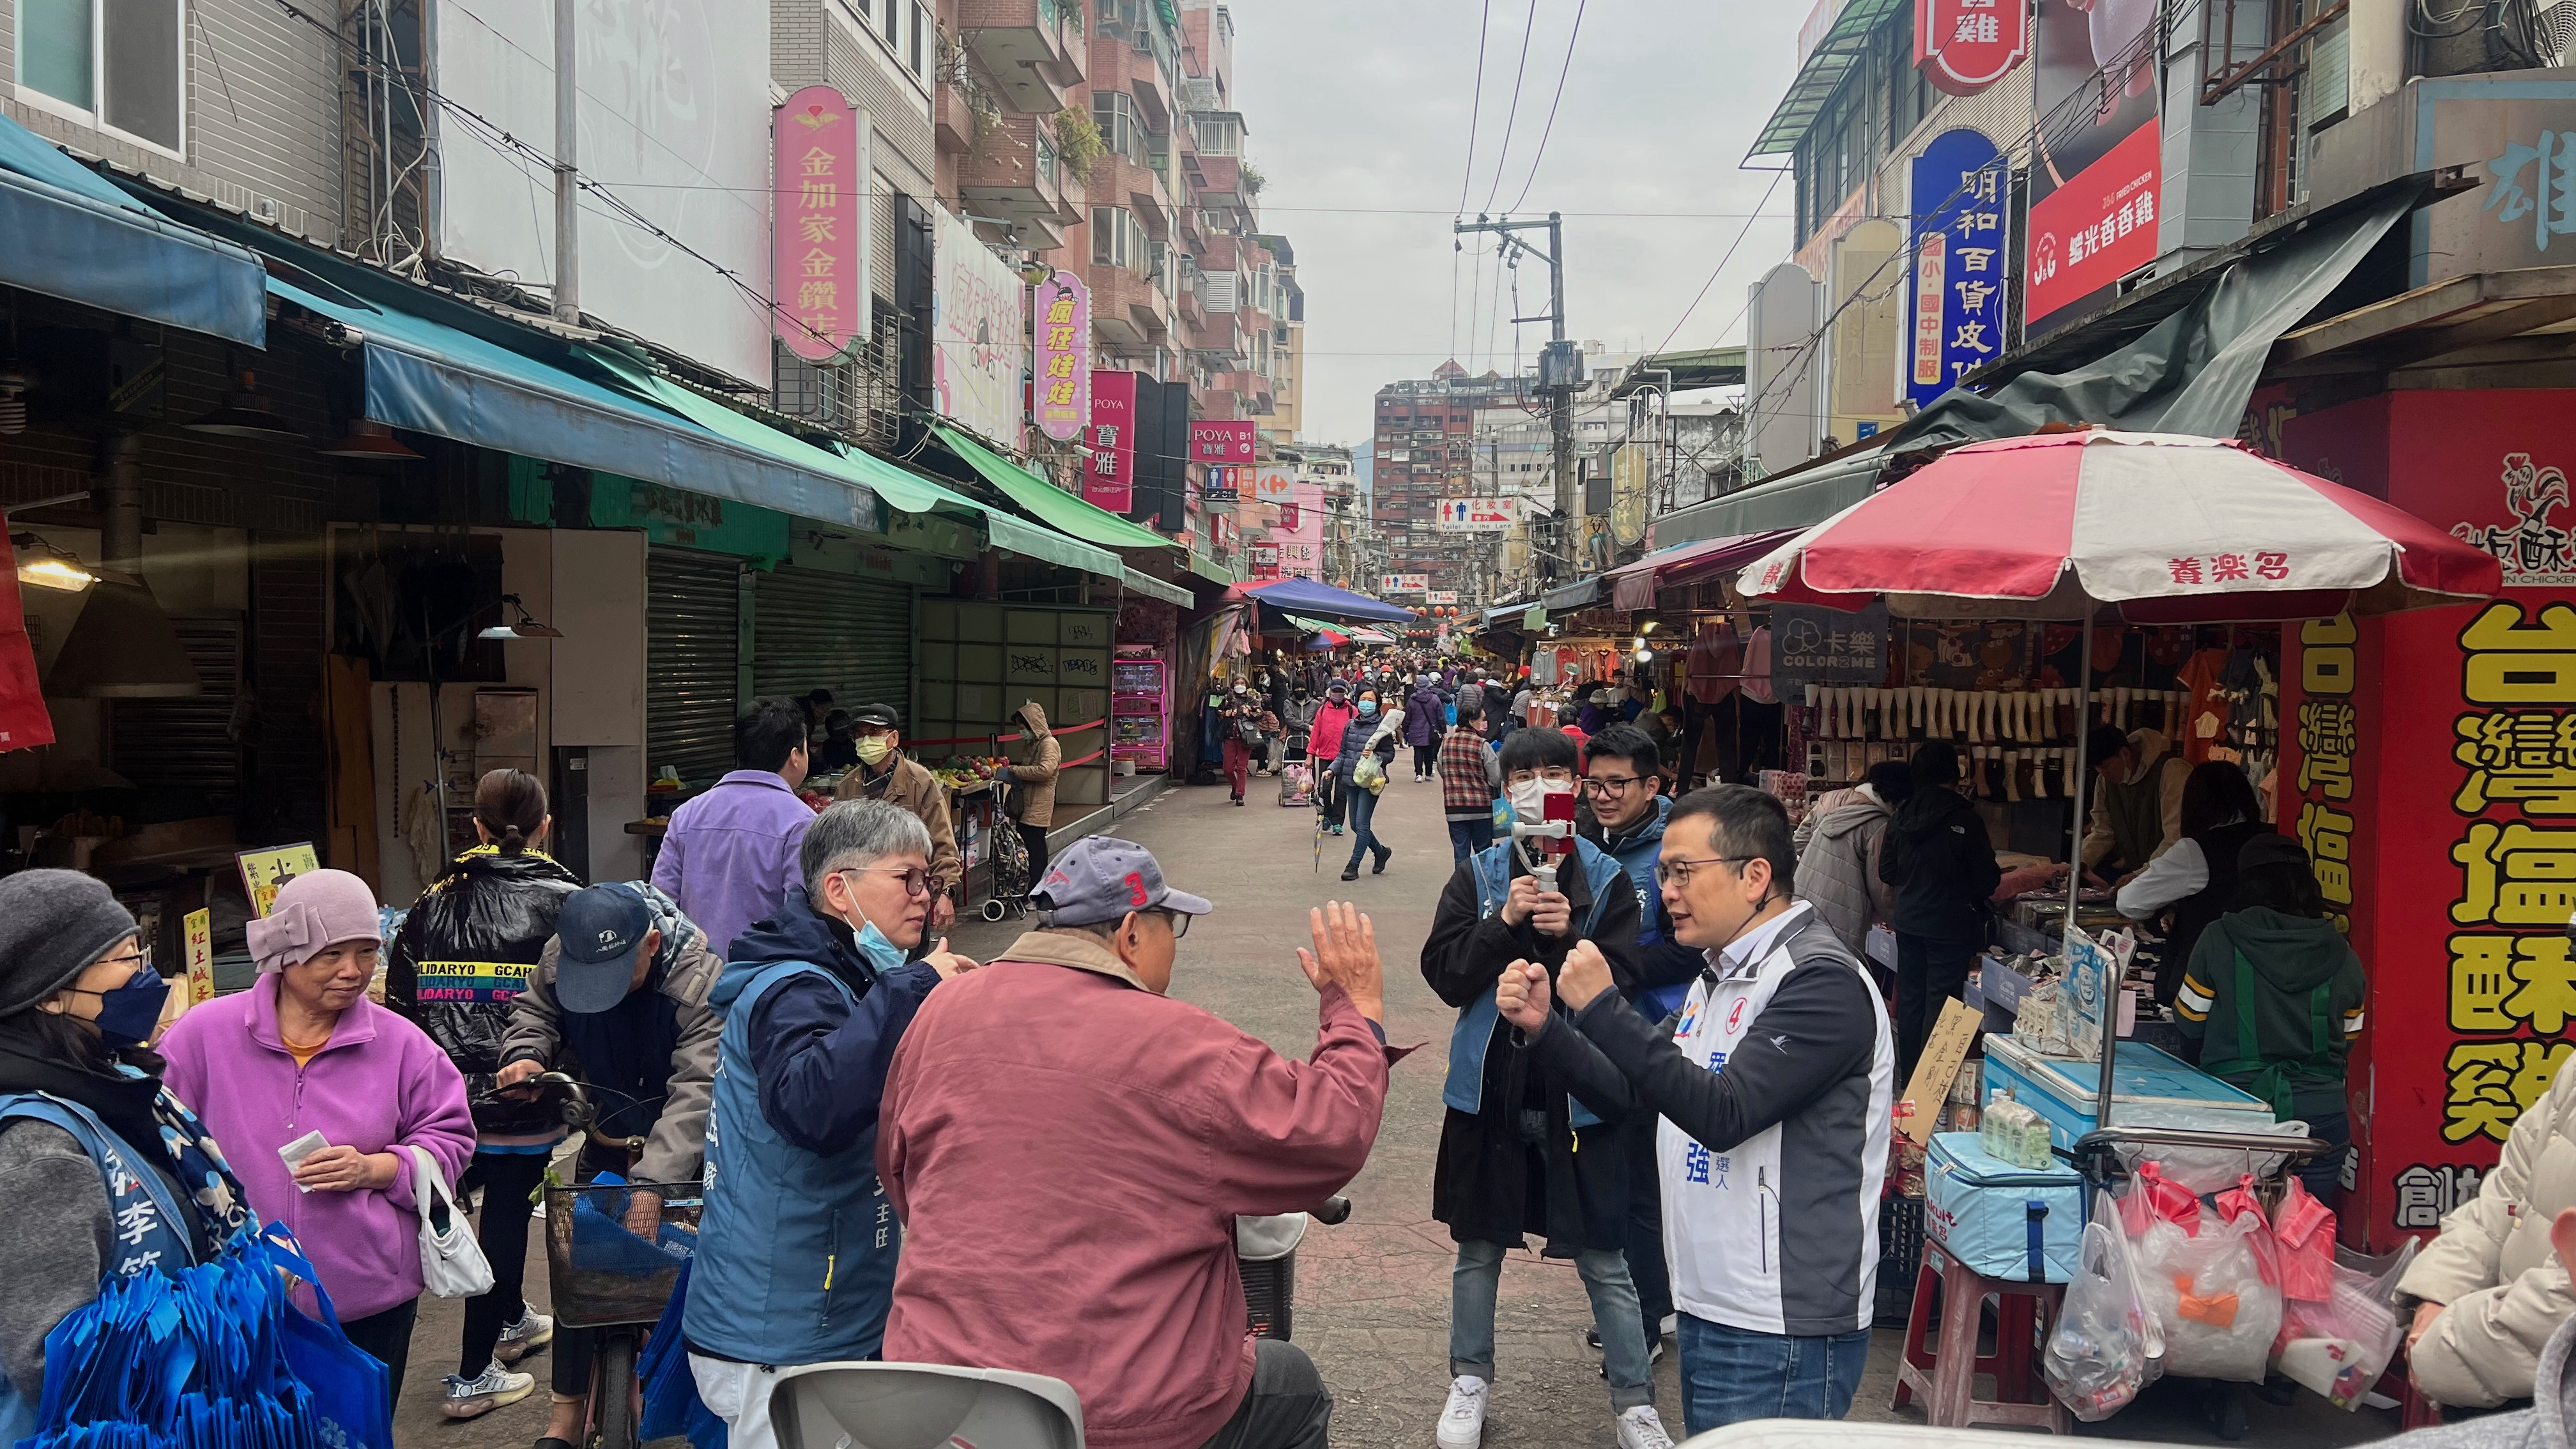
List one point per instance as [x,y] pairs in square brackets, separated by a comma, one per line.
[2207,1290]
[2106,1346]
[2341,1345]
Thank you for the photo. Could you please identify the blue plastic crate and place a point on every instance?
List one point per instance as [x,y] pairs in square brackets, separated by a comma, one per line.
[2149,1088]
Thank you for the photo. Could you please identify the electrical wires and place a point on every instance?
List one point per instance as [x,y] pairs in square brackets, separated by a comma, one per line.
[1550,128]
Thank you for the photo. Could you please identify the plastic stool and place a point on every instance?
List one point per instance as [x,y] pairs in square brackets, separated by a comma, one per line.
[1946,1377]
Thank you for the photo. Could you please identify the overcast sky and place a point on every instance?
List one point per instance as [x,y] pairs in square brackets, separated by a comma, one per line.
[1358,115]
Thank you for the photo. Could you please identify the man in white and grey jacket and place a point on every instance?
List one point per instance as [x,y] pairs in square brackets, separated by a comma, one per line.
[1774,1082]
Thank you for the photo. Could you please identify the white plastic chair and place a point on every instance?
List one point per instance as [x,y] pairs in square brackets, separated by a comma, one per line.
[922,1406]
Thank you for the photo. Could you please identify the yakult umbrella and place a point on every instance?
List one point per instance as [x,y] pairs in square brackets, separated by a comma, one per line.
[2164,527]
[2167,528]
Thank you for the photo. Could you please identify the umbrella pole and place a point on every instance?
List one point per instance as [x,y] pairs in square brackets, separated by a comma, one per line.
[2075,874]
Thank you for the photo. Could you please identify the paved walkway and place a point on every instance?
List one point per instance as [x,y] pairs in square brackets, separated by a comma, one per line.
[1372,1294]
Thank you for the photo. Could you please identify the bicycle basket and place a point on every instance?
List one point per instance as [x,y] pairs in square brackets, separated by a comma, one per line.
[601,1273]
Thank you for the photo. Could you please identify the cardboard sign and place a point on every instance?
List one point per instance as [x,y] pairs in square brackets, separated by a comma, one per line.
[264,871]
[200,930]
[1919,1110]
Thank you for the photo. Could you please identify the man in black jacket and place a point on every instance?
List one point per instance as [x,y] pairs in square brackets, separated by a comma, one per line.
[1941,861]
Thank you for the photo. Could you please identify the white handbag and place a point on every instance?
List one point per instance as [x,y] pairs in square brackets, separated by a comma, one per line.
[451,1261]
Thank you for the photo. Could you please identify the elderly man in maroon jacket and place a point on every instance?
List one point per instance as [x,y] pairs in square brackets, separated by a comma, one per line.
[1068,1148]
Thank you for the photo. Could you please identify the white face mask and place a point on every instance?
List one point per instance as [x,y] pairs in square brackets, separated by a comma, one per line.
[1529,798]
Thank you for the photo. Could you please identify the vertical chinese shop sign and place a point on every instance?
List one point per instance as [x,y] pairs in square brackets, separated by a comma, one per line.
[1063,399]
[819,153]
[1961,248]
[2429,764]
[1110,481]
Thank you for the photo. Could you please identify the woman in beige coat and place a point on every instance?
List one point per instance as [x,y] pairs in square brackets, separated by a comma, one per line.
[1033,785]
[2489,1292]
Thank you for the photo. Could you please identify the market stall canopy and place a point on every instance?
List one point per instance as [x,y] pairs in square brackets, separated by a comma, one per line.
[74,234]
[1371,636]
[1633,586]
[1566,598]
[2207,332]
[1052,505]
[1692,371]
[1154,588]
[1324,601]
[2168,528]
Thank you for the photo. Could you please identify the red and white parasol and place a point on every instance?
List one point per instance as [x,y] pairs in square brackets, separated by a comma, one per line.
[2167,528]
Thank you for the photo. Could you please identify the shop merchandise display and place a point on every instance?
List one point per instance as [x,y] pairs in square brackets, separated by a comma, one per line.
[2106,1345]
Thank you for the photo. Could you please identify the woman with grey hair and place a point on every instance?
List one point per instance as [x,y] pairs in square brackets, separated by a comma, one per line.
[795,1262]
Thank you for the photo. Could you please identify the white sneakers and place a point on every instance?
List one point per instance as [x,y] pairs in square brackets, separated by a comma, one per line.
[473,1398]
[1462,1422]
[1641,1428]
[533,1331]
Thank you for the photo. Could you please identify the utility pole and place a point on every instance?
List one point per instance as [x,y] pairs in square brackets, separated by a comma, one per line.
[1560,372]
[567,170]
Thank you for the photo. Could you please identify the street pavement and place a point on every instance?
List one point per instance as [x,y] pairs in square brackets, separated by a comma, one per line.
[1372,1295]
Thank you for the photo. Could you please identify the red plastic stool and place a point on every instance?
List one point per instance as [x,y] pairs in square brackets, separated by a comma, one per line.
[1946,1376]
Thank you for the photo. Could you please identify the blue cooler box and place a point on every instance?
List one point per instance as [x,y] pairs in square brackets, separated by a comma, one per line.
[2000,1219]
[2149,1088]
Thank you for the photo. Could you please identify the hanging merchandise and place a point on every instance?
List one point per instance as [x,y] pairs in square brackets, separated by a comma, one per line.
[2207,1290]
[2106,1345]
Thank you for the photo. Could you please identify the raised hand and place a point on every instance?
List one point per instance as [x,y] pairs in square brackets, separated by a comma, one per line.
[1585,975]
[1345,955]
[1522,996]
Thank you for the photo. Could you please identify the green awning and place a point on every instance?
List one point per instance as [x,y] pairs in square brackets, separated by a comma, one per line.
[1826,67]
[1059,509]
[902,490]
[1154,588]
[1210,570]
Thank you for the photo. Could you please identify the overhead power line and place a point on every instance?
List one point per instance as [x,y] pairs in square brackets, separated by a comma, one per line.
[1512,118]
[1550,128]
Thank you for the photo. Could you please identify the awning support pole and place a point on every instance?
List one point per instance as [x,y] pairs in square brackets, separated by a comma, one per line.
[2075,871]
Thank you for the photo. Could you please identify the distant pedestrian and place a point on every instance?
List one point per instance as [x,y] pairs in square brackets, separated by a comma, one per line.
[1371,737]
[1240,719]
[729,855]
[1470,778]
[1424,715]
[2194,883]
[1941,861]
[1838,861]
[1032,782]
[1333,719]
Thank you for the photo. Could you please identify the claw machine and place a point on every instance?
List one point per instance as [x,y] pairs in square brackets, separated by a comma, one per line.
[1140,709]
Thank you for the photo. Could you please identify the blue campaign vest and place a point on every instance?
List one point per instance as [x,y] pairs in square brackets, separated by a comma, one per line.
[147,1230]
[1465,1088]
[812,1238]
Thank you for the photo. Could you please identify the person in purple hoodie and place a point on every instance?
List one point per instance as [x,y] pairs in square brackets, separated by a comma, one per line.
[1426,719]
[304,1051]
[729,855]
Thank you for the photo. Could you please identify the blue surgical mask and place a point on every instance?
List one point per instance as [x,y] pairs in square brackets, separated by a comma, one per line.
[127,1014]
[1368,707]
[883,955]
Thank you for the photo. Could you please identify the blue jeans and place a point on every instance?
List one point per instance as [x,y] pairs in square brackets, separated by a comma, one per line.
[1466,837]
[1477,1280]
[1730,1375]
[1363,810]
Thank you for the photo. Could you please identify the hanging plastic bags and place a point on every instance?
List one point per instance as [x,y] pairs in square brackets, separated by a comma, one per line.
[2106,1346]
[2339,1345]
[2207,1290]
[451,1261]
[2154,1198]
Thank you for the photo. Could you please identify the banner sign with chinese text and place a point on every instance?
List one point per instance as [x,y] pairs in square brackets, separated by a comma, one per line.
[2097,175]
[819,150]
[1228,441]
[1063,367]
[1811,645]
[1110,481]
[2428,765]
[1404,583]
[1961,244]
[1964,46]
[980,325]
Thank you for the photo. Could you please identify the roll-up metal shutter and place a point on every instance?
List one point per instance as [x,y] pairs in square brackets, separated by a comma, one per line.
[190,743]
[691,624]
[841,632]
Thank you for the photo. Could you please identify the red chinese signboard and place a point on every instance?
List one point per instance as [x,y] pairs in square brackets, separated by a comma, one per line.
[2428,764]
[1964,46]
[24,721]
[1221,442]
[1110,481]
[2101,226]
[1287,518]
[820,177]
[1062,400]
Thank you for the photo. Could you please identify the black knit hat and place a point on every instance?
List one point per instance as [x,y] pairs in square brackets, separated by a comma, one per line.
[54,924]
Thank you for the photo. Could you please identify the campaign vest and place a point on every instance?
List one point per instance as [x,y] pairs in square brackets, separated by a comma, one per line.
[1468,1040]
[148,1229]
[799,1255]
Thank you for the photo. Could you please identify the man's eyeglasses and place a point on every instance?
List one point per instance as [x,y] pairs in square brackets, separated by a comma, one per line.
[916,879]
[1610,784]
[1678,872]
[1179,922]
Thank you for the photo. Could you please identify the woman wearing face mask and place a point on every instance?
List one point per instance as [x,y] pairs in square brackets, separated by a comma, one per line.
[1242,724]
[1373,731]
[304,1051]
[76,1005]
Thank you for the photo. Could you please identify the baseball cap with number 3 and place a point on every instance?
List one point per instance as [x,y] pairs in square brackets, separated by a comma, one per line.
[1099,879]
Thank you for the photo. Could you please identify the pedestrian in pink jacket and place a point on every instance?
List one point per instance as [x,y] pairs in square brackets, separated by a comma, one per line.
[304,1051]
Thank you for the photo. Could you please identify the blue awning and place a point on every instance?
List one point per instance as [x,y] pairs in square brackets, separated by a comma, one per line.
[68,232]
[432,378]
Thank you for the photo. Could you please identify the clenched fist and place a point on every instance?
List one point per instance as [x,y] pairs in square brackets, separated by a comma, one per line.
[1522,996]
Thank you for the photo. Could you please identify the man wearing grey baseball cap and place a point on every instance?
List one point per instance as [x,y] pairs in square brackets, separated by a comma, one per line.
[1058,1107]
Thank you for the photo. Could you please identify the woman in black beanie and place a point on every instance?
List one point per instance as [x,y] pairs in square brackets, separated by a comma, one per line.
[105,1173]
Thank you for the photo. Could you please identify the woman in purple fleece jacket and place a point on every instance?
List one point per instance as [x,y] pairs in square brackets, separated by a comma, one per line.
[304,1050]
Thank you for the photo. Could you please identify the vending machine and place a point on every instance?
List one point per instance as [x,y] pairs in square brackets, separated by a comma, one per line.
[1140,709]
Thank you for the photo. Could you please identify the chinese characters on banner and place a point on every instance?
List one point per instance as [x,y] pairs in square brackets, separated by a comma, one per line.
[1062,391]
[1964,46]
[1288,518]
[820,177]
[1110,480]
[1227,441]
[980,326]
[2550,199]
[2097,178]
[1960,246]
[1265,561]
